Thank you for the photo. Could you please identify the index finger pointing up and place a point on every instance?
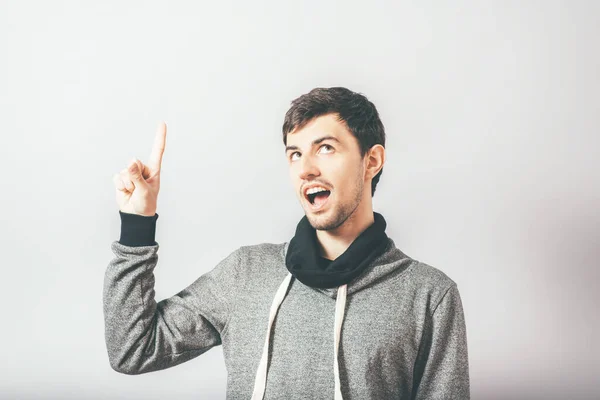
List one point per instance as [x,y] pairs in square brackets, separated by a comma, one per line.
[159,147]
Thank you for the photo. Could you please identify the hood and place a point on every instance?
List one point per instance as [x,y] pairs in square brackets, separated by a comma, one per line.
[391,261]
[304,260]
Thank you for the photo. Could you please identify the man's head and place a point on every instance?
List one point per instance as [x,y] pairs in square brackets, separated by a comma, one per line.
[348,164]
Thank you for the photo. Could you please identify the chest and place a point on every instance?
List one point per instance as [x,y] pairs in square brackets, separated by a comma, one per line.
[379,340]
[380,325]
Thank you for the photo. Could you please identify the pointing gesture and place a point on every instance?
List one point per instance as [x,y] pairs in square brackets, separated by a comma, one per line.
[138,184]
[158,149]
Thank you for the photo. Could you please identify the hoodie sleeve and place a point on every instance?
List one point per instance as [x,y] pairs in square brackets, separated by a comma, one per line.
[442,367]
[142,335]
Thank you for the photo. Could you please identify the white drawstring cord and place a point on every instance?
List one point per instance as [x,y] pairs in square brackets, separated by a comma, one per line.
[260,382]
[340,305]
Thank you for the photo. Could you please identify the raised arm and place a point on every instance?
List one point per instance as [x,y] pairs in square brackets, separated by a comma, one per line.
[142,335]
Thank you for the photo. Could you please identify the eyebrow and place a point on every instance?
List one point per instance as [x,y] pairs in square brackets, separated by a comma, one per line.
[314,143]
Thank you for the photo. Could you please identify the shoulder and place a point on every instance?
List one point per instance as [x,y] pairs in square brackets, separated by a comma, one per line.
[431,276]
[431,284]
[264,260]
[264,250]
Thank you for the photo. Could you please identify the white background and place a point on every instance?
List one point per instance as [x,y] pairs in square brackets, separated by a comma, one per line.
[492,115]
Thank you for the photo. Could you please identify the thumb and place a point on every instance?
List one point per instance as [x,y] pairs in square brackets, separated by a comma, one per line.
[135,173]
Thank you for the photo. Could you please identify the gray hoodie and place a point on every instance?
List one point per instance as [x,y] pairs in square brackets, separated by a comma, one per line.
[395,332]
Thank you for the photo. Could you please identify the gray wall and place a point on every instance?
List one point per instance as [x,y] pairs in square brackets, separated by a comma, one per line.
[492,115]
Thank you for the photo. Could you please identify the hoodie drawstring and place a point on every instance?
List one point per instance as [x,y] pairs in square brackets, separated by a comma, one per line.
[340,305]
[260,381]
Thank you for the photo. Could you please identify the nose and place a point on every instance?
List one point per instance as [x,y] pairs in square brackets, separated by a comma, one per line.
[308,168]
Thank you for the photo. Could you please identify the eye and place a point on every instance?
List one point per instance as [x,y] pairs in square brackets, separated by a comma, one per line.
[295,152]
[327,145]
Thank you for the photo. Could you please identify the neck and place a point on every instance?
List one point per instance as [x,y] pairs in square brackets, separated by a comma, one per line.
[334,242]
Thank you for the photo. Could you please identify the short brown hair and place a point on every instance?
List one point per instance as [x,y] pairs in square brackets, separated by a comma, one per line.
[354,109]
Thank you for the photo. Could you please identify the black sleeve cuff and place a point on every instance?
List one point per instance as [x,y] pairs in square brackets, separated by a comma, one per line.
[137,230]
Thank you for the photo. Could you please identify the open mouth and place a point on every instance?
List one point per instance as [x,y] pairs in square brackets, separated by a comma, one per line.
[318,200]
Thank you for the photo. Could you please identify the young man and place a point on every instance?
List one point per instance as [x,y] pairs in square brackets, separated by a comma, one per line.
[337,312]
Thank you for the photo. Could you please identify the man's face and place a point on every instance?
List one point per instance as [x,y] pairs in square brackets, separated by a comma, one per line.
[324,153]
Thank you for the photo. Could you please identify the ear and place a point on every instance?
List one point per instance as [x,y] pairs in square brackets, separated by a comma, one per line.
[374,159]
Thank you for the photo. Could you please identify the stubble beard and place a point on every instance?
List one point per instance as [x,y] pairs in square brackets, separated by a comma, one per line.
[338,214]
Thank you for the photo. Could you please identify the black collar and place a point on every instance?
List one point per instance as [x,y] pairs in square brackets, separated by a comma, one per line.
[305,263]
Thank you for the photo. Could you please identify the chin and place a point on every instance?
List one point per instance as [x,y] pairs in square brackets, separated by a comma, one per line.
[325,220]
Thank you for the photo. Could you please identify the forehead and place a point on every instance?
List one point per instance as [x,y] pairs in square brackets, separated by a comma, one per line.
[324,125]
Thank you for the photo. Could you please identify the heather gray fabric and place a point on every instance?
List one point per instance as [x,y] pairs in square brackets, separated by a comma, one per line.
[403,333]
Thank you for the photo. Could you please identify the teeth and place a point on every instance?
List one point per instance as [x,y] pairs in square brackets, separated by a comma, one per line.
[315,190]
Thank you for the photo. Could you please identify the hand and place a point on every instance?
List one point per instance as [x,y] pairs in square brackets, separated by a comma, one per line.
[138,184]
